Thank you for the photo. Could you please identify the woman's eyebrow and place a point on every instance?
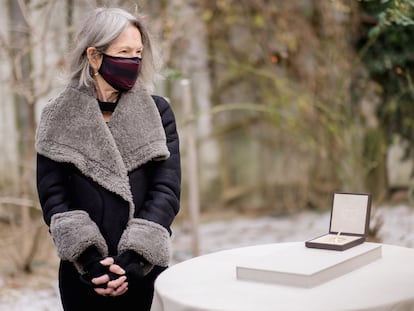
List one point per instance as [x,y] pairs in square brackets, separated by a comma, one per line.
[128,47]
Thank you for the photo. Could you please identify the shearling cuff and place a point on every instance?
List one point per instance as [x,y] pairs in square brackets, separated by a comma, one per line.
[73,232]
[149,239]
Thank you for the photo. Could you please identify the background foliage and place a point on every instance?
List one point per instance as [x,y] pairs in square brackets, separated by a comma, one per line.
[386,39]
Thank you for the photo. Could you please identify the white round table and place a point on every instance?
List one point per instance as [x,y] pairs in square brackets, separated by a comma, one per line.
[209,283]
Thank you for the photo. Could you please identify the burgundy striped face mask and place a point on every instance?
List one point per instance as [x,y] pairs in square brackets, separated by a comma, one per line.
[120,72]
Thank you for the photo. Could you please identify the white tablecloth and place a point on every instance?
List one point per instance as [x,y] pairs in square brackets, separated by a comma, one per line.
[209,283]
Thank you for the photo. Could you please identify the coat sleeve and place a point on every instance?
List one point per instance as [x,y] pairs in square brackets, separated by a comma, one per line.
[163,199]
[152,222]
[72,230]
[51,187]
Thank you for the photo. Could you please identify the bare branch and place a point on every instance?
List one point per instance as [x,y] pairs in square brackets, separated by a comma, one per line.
[18,201]
[25,13]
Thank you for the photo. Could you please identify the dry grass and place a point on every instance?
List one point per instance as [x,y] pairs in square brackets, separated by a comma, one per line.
[43,266]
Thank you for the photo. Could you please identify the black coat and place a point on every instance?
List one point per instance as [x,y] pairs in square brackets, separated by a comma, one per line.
[154,184]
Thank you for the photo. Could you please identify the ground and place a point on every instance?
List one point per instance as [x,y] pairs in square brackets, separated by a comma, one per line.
[38,291]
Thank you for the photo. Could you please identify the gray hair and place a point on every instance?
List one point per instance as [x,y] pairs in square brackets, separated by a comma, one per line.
[101,27]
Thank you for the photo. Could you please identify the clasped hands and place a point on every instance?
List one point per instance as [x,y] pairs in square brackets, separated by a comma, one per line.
[110,276]
[113,282]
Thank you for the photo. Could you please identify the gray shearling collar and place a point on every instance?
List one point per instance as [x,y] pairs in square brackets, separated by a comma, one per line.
[72,129]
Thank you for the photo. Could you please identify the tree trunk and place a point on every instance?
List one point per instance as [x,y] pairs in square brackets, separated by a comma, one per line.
[25,111]
[193,62]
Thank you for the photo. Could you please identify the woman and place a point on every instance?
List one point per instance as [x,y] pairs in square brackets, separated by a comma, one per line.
[108,169]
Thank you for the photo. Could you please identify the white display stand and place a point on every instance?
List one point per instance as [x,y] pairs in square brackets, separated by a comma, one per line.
[209,283]
[305,267]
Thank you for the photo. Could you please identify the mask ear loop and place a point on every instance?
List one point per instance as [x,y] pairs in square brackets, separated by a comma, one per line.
[96,73]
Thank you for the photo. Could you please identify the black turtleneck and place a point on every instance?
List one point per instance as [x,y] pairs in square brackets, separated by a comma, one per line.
[106,106]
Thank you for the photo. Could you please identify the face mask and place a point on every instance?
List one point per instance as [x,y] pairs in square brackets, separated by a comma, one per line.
[120,72]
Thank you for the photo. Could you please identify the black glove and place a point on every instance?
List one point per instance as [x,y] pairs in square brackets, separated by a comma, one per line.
[90,260]
[133,264]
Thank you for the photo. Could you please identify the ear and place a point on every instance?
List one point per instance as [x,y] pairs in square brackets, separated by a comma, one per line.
[94,58]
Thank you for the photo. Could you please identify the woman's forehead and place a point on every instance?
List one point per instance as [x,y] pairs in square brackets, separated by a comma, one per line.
[129,38]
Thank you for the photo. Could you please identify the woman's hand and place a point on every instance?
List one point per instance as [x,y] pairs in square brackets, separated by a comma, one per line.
[115,287]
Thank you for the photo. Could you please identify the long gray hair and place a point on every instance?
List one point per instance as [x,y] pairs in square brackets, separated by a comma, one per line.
[101,27]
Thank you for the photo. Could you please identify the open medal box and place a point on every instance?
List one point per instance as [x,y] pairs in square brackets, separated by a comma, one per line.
[349,222]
